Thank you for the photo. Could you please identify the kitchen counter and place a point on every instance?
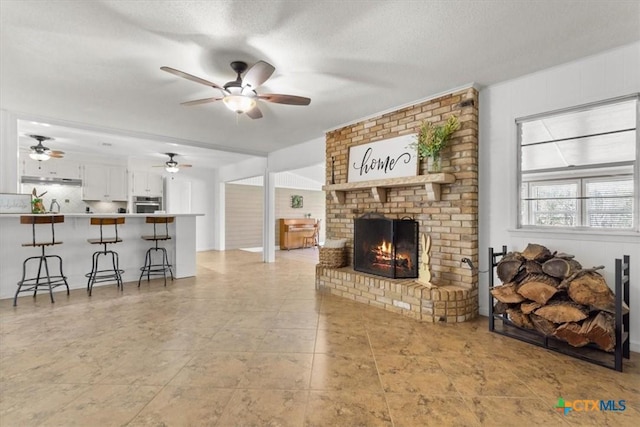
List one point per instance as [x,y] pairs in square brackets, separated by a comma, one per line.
[76,251]
[89,215]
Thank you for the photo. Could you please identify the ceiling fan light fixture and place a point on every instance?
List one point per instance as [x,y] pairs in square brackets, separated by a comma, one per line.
[172,169]
[239,103]
[41,157]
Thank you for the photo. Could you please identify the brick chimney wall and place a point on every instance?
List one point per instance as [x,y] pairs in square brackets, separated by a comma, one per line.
[451,222]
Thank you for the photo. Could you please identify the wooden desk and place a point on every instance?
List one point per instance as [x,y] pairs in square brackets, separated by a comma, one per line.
[293,231]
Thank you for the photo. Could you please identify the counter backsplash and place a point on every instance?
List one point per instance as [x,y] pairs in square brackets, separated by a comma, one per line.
[70,199]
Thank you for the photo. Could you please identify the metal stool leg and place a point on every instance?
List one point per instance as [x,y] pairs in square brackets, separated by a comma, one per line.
[116,268]
[46,268]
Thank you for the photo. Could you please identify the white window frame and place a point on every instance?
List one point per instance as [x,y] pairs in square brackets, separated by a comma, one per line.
[580,228]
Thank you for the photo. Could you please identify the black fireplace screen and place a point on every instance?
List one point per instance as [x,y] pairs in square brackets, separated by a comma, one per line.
[386,247]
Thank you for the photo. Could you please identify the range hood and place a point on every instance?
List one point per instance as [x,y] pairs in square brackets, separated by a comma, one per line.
[50,180]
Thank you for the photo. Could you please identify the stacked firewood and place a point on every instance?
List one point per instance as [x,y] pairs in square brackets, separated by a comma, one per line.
[553,294]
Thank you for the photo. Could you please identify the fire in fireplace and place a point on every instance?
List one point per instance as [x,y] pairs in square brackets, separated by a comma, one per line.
[386,247]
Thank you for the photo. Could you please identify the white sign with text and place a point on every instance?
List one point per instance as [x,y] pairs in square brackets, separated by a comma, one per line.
[389,158]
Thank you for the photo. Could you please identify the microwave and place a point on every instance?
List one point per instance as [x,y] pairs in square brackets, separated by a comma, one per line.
[146,205]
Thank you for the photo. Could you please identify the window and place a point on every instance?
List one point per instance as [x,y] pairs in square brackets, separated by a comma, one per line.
[578,168]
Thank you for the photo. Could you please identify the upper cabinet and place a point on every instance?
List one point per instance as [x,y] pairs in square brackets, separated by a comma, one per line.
[104,183]
[146,184]
[52,168]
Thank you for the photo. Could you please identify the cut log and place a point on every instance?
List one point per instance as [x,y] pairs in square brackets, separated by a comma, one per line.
[507,294]
[500,307]
[565,283]
[539,288]
[519,318]
[570,332]
[600,330]
[529,307]
[535,252]
[591,289]
[542,325]
[509,266]
[562,312]
[560,267]
[533,267]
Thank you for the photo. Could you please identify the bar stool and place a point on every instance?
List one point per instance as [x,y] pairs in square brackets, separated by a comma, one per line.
[46,279]
[149,268]
[96,275]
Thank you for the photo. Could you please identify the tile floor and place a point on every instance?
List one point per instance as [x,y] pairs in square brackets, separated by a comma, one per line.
[253,344]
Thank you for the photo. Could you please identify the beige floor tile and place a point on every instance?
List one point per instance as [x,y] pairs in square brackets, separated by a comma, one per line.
[104,405]
[184,406]
[259,408]
[345,372]
[222,370]
[411,410]
[516,411]
[288,341]
[278,371]
[247,343]
[346,409]
[414,374]
[343,341]
[30,403]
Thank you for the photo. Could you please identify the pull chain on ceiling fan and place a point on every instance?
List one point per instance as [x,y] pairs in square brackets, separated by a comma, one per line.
[239,95]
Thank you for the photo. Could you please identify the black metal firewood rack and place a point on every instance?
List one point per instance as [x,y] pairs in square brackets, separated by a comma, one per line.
[500,323]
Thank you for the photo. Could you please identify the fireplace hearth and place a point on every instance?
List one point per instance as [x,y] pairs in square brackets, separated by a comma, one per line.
[386,247]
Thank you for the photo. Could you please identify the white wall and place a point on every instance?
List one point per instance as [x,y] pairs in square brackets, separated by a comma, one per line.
[298,156]
[607,75]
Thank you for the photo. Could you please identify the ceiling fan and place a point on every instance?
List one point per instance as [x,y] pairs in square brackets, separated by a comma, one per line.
[239,95]
[40,152]
[171,165]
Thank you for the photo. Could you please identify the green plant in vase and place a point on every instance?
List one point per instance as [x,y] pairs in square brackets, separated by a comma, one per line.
[432,139]
[37,206]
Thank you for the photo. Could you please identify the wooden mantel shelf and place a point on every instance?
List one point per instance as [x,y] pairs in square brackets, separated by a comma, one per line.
[379,187]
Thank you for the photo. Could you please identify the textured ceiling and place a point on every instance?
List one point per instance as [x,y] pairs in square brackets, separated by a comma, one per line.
[97,63]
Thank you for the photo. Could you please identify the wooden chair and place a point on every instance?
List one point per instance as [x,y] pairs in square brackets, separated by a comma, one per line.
[96,275]
[42,279]
[156,269]
[311,240]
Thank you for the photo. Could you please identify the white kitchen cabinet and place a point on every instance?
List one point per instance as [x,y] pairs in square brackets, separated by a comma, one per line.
[104,183]
[52,168]
[146,184]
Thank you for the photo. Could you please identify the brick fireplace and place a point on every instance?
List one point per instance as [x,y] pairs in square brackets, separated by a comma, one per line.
[446,211]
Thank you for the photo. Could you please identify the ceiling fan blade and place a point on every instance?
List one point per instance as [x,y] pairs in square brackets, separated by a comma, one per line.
[56,155]
[190,77]
[254,113]
[199,101]
[258,74]
[285,99]
[184,166]
[55,152]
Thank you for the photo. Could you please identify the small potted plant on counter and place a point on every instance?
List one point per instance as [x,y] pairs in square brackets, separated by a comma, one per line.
[37,207]
[431,139]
